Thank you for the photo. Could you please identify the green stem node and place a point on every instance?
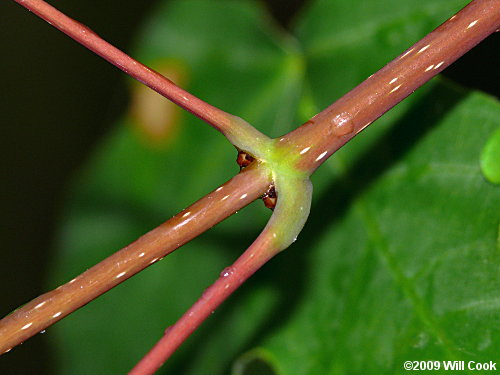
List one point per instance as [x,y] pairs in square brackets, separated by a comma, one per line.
[292,185]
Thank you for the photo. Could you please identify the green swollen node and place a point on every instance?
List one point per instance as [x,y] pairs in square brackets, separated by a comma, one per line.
[291,191]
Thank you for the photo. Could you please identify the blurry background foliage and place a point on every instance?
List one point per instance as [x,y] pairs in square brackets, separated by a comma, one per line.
[398,261]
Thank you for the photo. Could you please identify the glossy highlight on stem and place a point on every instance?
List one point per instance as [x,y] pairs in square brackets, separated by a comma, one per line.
[285,162]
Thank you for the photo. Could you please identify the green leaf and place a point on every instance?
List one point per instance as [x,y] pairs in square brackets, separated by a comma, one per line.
[399,259]
[490,158]
[407,268]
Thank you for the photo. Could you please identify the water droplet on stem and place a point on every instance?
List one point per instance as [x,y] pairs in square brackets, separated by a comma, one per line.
[226,272]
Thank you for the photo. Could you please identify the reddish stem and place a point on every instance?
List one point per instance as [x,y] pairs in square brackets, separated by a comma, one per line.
[290,213]
[219,119]
[50,307]
[314,141]
[261,250]
[329,130]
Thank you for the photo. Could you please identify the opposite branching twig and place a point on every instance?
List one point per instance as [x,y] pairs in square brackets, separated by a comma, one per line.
[291,212]
[284,163]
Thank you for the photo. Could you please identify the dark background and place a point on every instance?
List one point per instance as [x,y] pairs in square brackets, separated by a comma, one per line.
[56,100]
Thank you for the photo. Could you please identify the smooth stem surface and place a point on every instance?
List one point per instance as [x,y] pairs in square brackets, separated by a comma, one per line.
[310,145]
[319,138]
[230,279]
[50,307]
[220,120]
[329,130]
[289,216]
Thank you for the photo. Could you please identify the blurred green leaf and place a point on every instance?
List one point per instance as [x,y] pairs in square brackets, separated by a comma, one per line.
[398,261]
[490,158]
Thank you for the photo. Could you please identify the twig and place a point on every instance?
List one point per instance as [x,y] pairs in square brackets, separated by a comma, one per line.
[329,130]
[50,307]
[230,279]
[288,218]
[220,120]
[310,145]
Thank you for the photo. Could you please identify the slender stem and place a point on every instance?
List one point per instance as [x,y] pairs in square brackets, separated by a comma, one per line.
[313,141]
[219,119]
[50,307]
[326,133]
[341,121]
[261,250]
[289,216]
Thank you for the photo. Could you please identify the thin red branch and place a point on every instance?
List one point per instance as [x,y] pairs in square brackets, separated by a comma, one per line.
[329,130]
[314,141]
[219,119]
[50,307]
[290,213]
[261,250]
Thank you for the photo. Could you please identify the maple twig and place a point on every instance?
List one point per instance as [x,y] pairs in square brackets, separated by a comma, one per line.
[309,145]
[329,130]
[50,307]
[229,280]
[326,133]
[220,120]
[288,218]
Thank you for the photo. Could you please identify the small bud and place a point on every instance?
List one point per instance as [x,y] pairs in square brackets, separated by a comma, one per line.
[244,159]
[270,198]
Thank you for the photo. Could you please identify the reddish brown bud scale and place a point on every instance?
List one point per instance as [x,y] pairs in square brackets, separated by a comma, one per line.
[315,141]
[244,159]
[270,198]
